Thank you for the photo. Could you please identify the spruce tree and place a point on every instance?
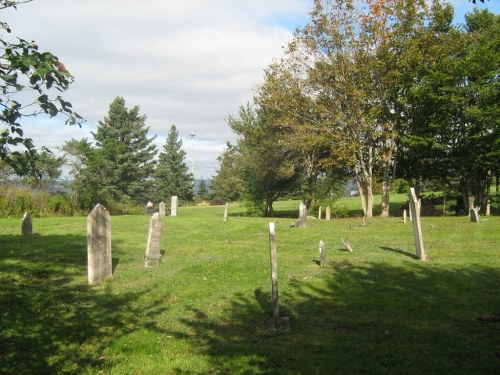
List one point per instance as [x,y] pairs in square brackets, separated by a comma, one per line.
[124,154]
[172,175]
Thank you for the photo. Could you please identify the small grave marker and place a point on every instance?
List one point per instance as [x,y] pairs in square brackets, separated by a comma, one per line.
[328,213]
[174,205]
[27,225]
[474,215]
[226,209]
[319,212]
[346,245]
[99,245]
[161,209]
[404,216]
[322,254]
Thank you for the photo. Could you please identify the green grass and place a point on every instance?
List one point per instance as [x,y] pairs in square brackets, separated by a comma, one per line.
[206,308]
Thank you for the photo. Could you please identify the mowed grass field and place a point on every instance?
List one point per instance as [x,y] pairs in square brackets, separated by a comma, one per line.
[206,309]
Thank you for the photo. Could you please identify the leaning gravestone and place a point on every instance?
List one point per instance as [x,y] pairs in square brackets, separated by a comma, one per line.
[474,215]
[161,210]
[174,205]
[99,245]
[347,246]
[27,225]
[417,227]
[153,254]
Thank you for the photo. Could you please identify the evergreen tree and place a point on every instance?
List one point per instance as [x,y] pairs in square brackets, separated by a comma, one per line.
[120,165]
[203,190]
[172,175]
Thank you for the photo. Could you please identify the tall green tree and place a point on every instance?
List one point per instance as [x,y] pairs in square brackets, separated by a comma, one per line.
[226,183]
[172,176]
[119,166]
[28,80]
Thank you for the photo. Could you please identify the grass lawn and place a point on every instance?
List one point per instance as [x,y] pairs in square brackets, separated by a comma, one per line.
[206,308]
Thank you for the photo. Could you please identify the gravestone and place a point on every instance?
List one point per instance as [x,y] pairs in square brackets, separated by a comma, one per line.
[274,273]
[417,227]
[328,213]
[474,215]
[174,205]
[404,216]
[153,254]
[99,245]
[161,210]
[346,245]
[27,225]
[319,212]
[302,221]
[226,209]
[322,254]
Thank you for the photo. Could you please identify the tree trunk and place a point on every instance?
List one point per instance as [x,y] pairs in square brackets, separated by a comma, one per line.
[364,174]
[386,187]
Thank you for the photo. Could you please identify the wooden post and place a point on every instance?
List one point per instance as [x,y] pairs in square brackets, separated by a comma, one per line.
[322,254]
[417,227]
[274,273]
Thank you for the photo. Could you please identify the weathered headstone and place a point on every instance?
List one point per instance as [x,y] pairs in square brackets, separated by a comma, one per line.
[302,221]
[346,245]
[319,212]
[417,227]
[274,273]
[226,209]
[27,225]
[99,245]
[328,213]
[153,254]
[161,210]
[174,205]
[322,254]
[474,215]
[404,216]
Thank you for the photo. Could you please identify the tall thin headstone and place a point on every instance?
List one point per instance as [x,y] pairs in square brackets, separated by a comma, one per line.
[174,205]
[302,222]
[274,273]
[27,225]
[226,209]
[328,213]
[404,216]
[417,227]
[153,254]
[161,210]
[99,244]
[319,212]
[322,254]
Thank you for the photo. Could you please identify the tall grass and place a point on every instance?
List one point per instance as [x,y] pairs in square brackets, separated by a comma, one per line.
[206,308]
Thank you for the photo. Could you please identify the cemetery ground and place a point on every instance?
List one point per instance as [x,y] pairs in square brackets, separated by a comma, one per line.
[206,309]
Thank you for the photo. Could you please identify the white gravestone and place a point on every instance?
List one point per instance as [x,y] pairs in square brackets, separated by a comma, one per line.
[27,225]
[174,205]
[153,254]
[417,227]
[161,210]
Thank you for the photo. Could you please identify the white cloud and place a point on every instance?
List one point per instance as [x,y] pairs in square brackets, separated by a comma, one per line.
[184,62]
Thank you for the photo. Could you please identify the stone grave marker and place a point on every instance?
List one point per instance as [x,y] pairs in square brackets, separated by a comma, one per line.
[417,227]
[153,254]
[27,225]
[328,213]
[404,216]
[474,215]
[302,221]
[346,245]
[282,323]
[161,210]
[319,212]
[322,254]
[99,245]
[174,205]
[226,209]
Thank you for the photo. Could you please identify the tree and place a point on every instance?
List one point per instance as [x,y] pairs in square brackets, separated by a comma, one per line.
[172,176]
[226,183]
[203,190]
[25,72]
[120,165]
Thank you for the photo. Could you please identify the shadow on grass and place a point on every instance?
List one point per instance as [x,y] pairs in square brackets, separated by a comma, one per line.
[368,319]
[399,251]
[51,320]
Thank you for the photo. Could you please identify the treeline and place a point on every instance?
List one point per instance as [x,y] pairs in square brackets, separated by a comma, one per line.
[373,90]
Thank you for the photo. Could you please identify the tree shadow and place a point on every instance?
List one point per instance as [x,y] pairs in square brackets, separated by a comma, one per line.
[51,320]
[360,319]
[399,251]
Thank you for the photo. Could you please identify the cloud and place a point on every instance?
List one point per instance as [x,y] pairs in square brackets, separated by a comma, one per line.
[188,63]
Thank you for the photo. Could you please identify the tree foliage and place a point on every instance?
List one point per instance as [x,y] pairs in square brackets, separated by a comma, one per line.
[172,176]
[28,80]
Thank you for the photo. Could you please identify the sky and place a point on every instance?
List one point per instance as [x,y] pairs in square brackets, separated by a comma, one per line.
[191,63]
